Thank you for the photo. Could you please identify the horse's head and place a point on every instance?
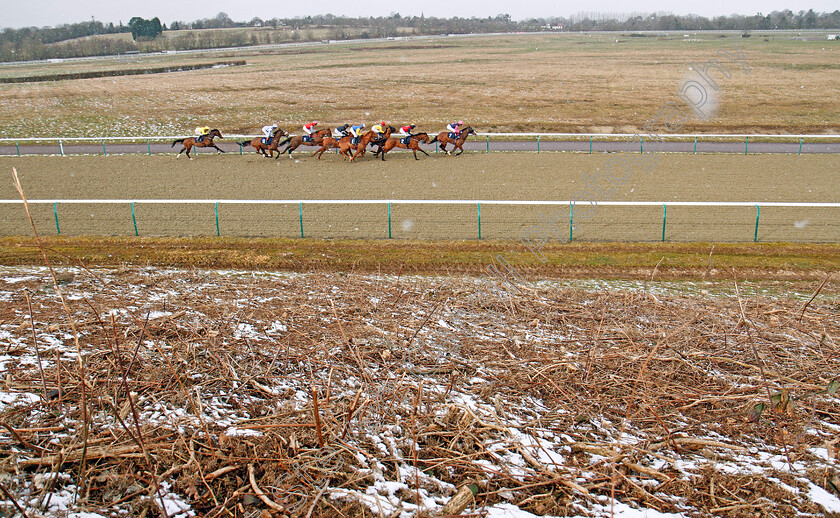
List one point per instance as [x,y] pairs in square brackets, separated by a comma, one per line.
[422,137]
[468,130]
[215,133]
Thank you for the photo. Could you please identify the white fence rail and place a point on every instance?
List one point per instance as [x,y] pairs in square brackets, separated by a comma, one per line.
[670,136]
[526,236]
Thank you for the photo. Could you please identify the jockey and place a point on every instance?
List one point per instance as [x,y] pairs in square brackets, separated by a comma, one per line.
[202,131]
[356,130]
[379,129]
[405,131]
[455,128]
[269,131]
[309,128]
[341,131]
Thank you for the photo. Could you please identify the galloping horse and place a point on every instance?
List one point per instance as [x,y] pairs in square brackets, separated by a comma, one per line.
[344,145]
[413,144]
[207,141]
[364,140]
[297,141]
[443,138]
[271,147]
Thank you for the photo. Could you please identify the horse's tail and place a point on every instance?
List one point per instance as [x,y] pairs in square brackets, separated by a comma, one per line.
[434,139]
[179,141]
[246,143]
[283,143]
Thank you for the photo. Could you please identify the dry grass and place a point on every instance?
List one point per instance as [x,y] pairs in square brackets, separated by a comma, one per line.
[518,82]
[646,396]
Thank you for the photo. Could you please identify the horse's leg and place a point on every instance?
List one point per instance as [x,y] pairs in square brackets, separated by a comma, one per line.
[179,152]
[188,148]
[217,148]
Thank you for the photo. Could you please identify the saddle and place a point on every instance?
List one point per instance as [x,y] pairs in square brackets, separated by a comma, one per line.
[355,140]
[405,140]
[453,136]
[308,138]
[266,140]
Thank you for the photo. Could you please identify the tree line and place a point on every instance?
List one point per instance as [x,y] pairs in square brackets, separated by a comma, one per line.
[80,39]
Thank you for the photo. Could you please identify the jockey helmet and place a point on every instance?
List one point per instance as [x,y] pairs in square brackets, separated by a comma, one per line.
[460,123]
[314,122]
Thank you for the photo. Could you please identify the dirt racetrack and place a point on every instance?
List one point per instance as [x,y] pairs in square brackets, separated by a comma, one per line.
[502,176]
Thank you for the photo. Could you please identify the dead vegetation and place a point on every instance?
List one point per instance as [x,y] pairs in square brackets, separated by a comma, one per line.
[258,394]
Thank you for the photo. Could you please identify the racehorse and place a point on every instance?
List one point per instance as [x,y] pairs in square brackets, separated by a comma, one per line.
[297,141]
[443,138]
[271,147]
[344,145]
[380,142]
[366,139]
[413,144]
[207,141]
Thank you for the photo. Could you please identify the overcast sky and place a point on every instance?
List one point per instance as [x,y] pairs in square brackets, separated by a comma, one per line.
[17,13]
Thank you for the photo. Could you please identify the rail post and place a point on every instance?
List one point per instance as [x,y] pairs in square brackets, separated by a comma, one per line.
[436,146]
[389,220]
[134,219]
[217,219]
[746,145]
[757,213]
[479,221]
[590,144]
[664,215]
[571,220]
[641,146]
[488,143]
[800,144]
[61,147]
[300,216]
[695,145]
[239,140]
[104,153]
[17,147]
[538,144]
[149,147]
[55,212]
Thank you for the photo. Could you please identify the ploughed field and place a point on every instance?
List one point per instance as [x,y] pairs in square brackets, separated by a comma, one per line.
[554,176]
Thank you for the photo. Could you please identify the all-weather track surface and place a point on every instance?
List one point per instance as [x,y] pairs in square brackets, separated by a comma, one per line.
[477,145]
[473,176]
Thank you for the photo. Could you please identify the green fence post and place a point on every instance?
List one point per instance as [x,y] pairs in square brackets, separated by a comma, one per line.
[641,146]
[17,146]
[240,145]
[590,145]
[479,221]
[104,153]
[746,145]
[61,147]
[300,216]
[436,148]
[134,219]
[488,143]
[389,220]
[800,145]
[695,145]
[55,211]
[538,143]
[217,219]
[571,220]
[757,213]
[664,215]
[149,147]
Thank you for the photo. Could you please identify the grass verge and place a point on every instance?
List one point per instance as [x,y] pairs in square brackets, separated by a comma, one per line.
[573,260]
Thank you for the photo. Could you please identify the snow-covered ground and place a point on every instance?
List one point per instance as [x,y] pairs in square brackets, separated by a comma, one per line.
[332,394]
